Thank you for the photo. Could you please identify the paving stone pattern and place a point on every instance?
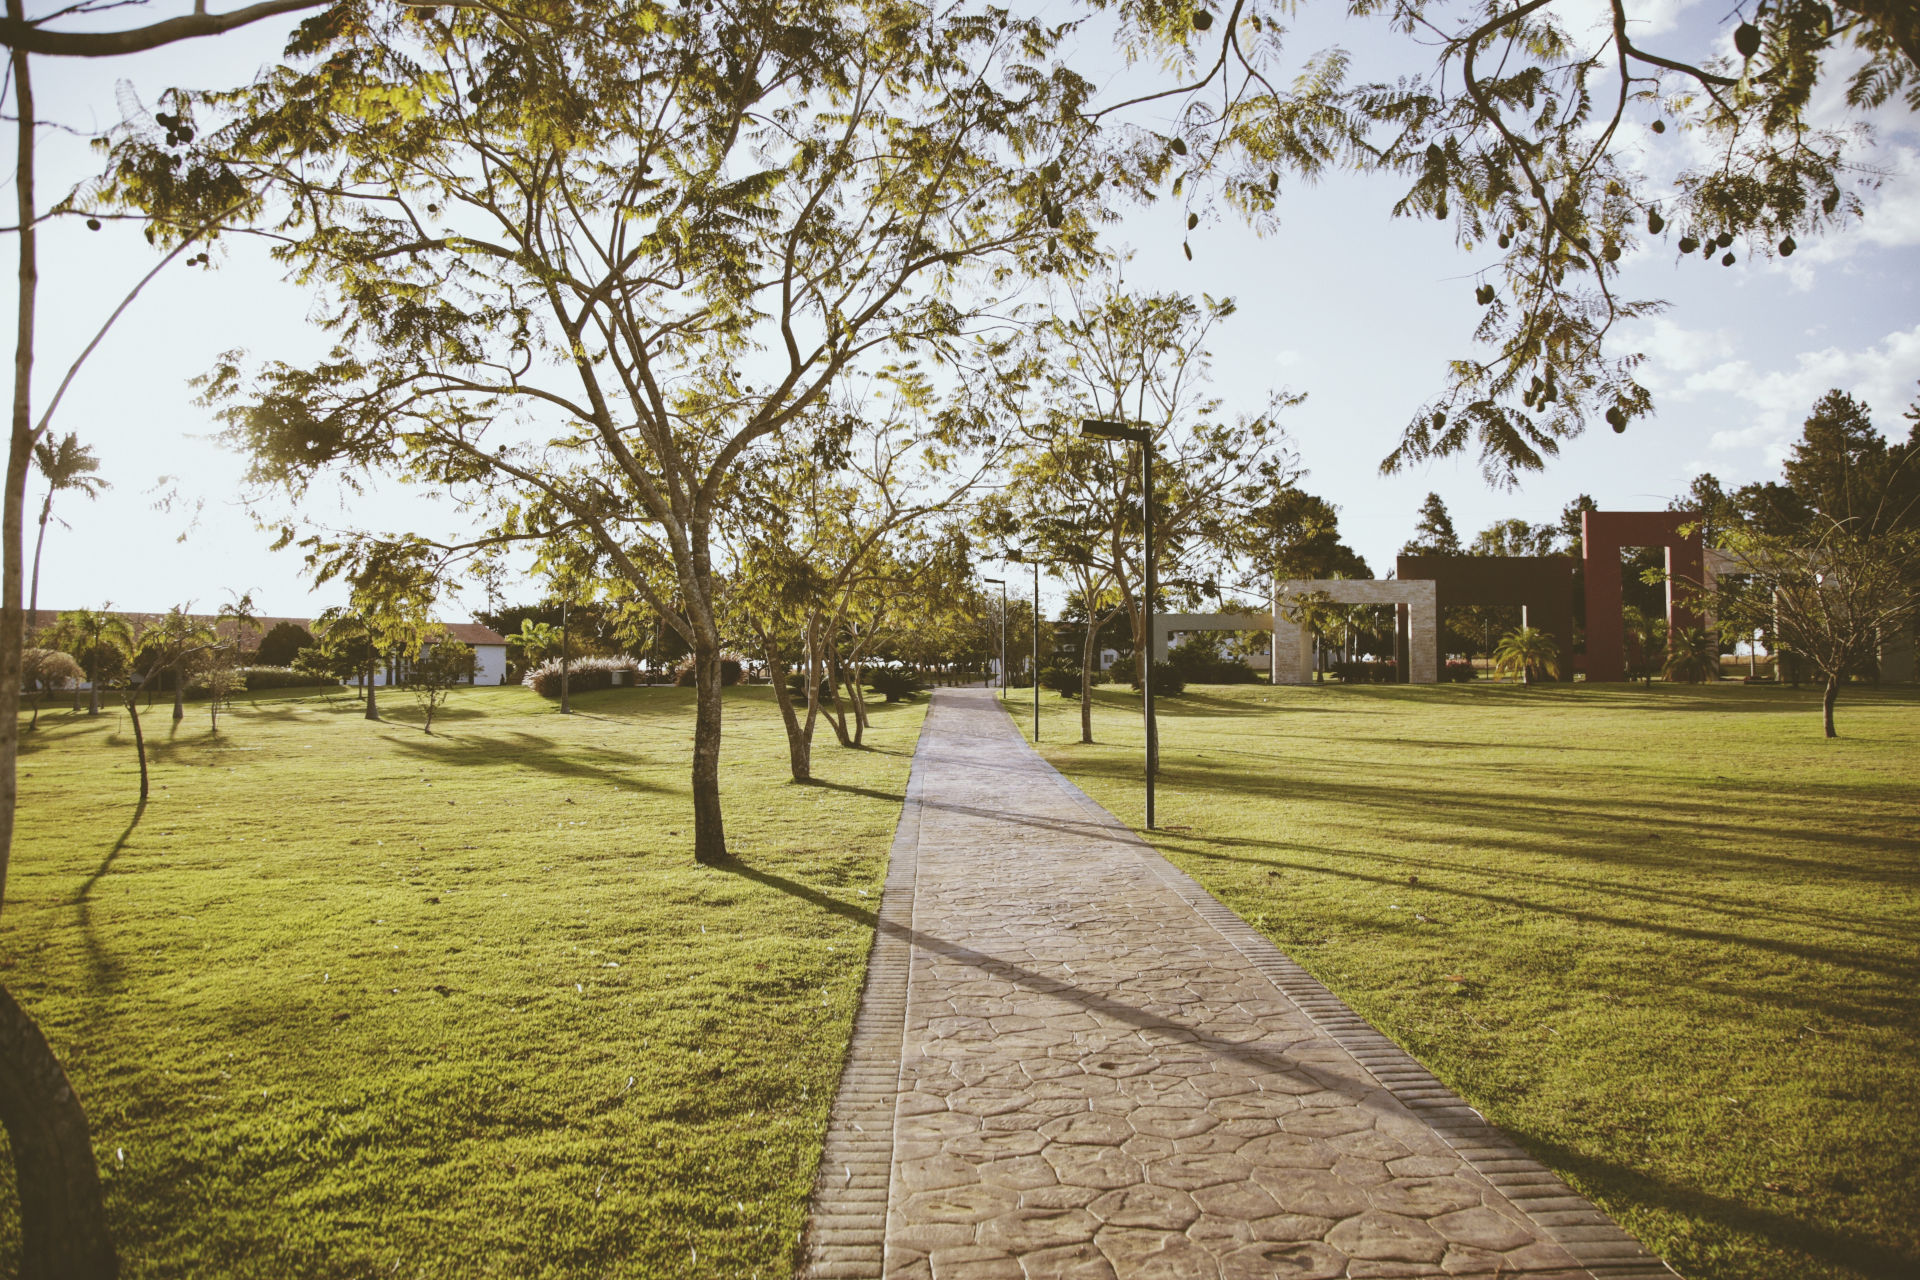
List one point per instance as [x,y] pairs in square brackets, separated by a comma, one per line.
[1071,1062]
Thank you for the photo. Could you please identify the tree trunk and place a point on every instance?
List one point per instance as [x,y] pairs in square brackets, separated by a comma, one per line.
[709,830]
[373,702]
[1831,696]
[799,742]
[859,701]
[1089,654]
[63,1226]
[93,687]
[139,739]
[179,694]
[33,596]
[837,713]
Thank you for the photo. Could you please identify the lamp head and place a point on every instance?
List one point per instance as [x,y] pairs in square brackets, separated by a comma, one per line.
[1100,429]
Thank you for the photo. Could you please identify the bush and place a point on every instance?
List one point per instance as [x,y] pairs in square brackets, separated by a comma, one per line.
[1168,681]
[797,686]
[280,645]
[256,678]
[895,684]
[730,670]
[584,675]
[1064,681]
[1384,672]
[1460,672]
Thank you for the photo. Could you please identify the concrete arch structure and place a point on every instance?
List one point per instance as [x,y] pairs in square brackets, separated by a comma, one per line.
[1541,585]
[1293,641]
[1602,535]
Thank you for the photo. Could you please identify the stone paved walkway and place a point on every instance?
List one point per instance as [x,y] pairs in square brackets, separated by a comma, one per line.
[1071,1062]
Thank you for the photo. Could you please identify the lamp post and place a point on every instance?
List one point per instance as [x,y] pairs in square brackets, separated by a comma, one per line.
[1002,584]
[1016,555]
[1142,436]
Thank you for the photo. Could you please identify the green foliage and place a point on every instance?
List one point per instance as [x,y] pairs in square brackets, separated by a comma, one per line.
[1168,681]
[282,643]
[1692,656]
[1433,533]
[583,675]
[896,684]
[1527,652]
[46,669]
[1064,681]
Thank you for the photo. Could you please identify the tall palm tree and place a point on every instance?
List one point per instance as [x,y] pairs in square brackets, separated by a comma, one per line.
[67,464]
[1529,652]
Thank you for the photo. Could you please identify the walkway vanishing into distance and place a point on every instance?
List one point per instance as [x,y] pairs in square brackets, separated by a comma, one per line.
[1071,1063]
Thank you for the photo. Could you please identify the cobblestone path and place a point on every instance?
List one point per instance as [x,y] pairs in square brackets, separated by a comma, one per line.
[1072,1063]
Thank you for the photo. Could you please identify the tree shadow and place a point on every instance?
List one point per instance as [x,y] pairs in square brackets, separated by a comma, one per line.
[533,751]
[847,788]
[103,969]
[1853,1250]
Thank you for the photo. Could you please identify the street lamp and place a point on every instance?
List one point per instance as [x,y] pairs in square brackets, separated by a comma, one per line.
[1142,436]
[1002,584]
[1016,555]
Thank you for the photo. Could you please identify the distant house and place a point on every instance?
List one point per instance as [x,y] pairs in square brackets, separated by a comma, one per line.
[489,655]
[489,646]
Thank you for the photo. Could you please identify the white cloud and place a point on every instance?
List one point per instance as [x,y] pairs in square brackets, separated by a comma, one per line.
[1882,375]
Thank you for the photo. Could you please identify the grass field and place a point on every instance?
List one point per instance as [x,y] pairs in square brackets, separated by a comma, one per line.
[1668,937]
[350,1000]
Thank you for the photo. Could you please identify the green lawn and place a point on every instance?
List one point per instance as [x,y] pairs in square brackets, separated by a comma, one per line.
[1668,937]
[349,1000]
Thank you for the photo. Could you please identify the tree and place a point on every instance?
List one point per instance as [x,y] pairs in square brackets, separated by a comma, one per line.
[1528,137]
[442,664]
[1529,653]
[1692,656]
[1433,533]
[67,465]
[1076,501]
[172,645]
[99,639]
[220,679]
[1833,596]
[281,643]
[1515,538]
[716,213]
[41,669]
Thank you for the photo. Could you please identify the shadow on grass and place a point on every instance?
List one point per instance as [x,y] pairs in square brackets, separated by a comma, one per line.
[846,910]
[891,797]
[1794,1234]
[103,969]
[532,751]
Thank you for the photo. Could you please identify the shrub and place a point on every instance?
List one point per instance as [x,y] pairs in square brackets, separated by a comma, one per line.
[584,675]
[1383,672]
[730,670]
[1460,672]
[46,668]
[276,677]
[1064,681]
[1168,681]
[895,684]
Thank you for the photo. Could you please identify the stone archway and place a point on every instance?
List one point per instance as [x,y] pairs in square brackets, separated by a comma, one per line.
[1293,661]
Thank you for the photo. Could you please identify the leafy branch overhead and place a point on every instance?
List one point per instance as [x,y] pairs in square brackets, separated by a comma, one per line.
[1540,144]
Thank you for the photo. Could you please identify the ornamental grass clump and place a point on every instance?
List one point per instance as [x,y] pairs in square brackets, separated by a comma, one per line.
[584,675]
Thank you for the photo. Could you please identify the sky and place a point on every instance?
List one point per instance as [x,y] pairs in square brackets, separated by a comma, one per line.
[1355,309]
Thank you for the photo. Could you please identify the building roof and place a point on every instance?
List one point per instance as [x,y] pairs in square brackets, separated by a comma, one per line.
[466,632]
